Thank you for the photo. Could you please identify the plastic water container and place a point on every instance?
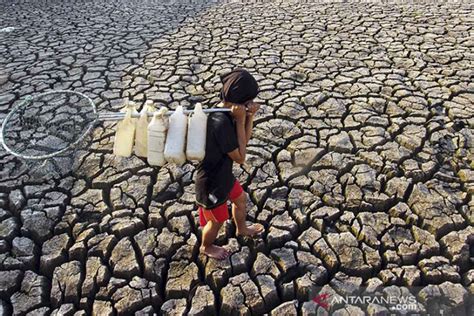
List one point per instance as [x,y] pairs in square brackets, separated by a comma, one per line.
[141,133]
[132,106]
[156,138]
[176,138]
[124,135]
[197,128]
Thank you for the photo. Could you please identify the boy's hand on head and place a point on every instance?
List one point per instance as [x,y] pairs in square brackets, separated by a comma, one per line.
[238,112]
[252,108]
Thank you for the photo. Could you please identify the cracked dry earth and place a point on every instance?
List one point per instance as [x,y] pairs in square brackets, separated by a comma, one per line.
[360,166]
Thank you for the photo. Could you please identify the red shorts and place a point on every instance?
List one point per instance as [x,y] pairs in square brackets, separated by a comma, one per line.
[221,213]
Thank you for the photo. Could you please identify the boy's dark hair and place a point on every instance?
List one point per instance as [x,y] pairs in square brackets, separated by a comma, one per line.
[238,86]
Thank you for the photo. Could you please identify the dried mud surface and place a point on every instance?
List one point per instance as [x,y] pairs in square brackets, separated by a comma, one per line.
[360,166]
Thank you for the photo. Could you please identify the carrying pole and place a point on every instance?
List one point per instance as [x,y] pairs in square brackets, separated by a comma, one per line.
[117,116]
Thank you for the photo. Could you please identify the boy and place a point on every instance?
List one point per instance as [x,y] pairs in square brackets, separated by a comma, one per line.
[226,142]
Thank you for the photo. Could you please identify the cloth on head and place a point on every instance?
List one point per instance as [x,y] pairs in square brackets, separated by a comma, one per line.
[238,86]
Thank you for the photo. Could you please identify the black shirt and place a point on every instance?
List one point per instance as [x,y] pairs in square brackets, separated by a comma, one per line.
[214,178]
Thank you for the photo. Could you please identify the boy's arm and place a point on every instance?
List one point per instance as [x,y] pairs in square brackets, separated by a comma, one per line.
[252,108]
[242,139]
[248,127]
[238,154]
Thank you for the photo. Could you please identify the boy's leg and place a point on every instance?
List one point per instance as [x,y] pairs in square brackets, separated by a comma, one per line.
[211,221]
[209,235]
[239,213]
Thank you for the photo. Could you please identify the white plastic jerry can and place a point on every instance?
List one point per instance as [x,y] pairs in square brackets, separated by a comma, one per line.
[175,141]
[156,138]
[197,128]
[124,136]
[141,133]
[132,106]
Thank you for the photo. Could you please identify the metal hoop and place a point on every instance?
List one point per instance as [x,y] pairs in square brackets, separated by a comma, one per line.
[70,146]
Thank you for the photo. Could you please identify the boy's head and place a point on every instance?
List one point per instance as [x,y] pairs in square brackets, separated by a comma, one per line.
[238,87]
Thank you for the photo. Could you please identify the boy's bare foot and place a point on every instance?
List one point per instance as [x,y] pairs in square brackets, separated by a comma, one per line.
[216,252]
[251,231]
